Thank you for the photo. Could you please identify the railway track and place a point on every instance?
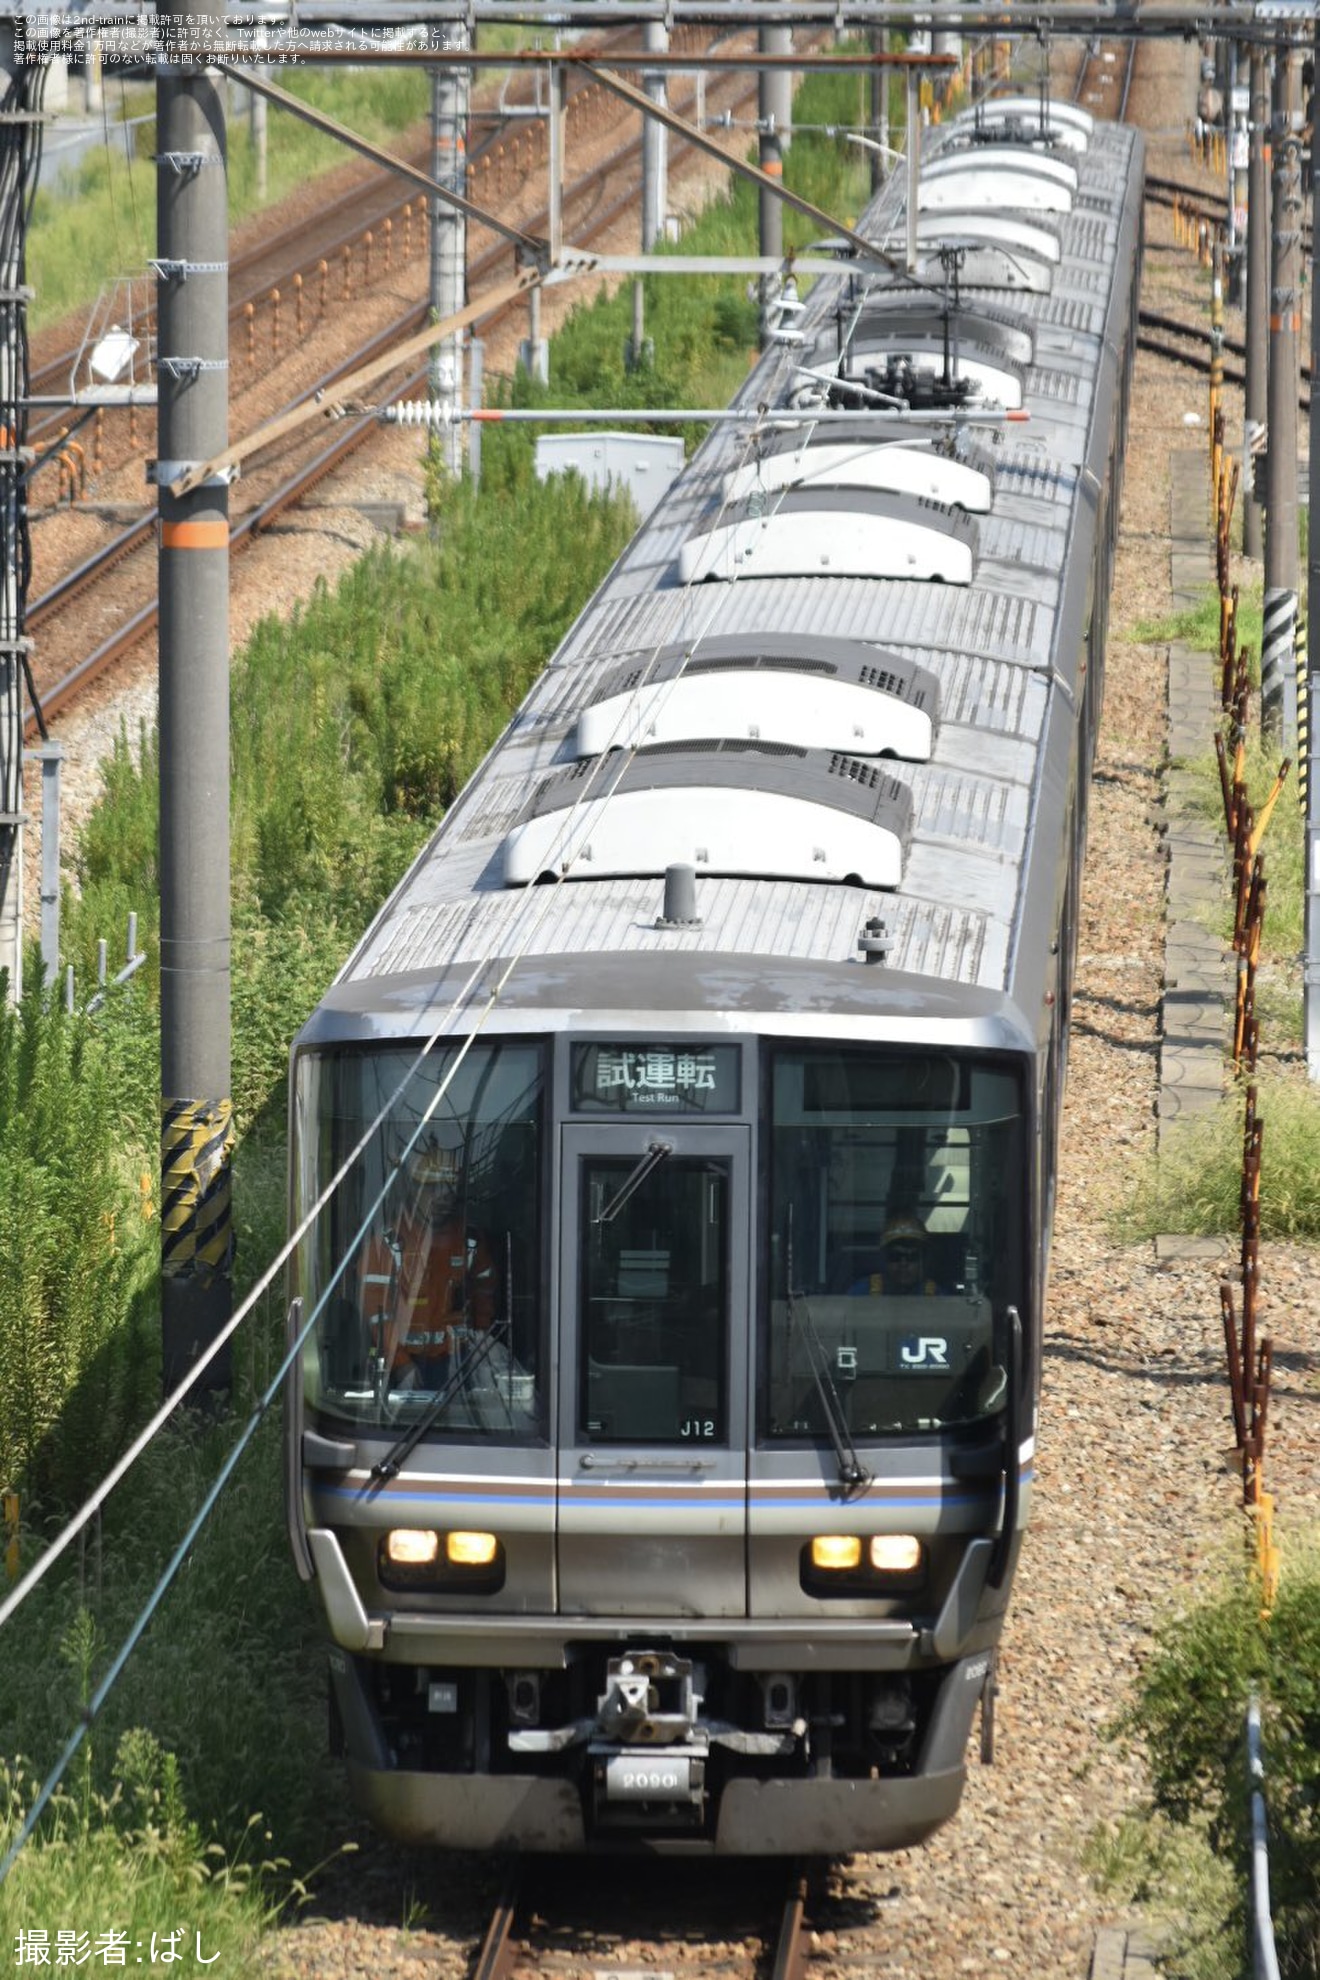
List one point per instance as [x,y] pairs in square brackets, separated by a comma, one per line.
[275,486]
[1104,78]
[750,1922]
[1188,344]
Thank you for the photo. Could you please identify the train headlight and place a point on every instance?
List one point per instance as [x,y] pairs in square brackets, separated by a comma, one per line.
[850,1564]
[407,1547]
[459,1562]
[836,1553]
[896,1553]
[471,1549]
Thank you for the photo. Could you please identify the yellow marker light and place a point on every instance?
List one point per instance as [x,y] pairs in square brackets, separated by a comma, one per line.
[405,1546]
[471,1549]
[896,1553]
[838,1551]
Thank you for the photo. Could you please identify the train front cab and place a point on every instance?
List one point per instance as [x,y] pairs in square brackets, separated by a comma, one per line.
[745,1500]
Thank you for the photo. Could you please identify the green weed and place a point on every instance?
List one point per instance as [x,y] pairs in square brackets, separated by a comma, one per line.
[75,1255]
[1194,1186]
[101,224]
[1282,845]
[1189,1715]
[1199,626]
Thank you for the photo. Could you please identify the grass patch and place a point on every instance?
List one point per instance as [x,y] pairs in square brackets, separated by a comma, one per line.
[1190,1850]
[154,1827]
[1283,846]
[1198,626]
[100,223]
[1184,1889]
[1194,1185]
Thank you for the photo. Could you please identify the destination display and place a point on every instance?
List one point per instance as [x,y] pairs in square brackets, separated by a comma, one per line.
[655,1079]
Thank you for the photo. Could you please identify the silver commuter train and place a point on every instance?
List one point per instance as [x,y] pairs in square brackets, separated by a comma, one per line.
[663,1444]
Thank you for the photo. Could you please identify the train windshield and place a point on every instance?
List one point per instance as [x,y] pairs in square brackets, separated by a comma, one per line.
[895,1241]
[427,1266]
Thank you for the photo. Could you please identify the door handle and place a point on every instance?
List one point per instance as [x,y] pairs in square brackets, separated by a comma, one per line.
[590,1462]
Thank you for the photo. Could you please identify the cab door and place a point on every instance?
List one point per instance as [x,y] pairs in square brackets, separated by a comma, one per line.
[653,1404]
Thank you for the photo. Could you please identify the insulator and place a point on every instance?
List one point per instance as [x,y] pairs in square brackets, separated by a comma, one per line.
[417,412]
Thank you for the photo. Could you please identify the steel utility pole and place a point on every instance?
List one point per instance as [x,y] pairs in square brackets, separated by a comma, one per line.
[1257,302]
[1311,957]
[770,158]
[779,41]
[655,181]
[450,89]
[12,392]
[879,110]
[192,296]
[1278,679]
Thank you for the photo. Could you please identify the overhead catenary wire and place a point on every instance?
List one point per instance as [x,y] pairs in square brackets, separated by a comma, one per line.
[776,419]
[135,1633]
[568,852]
[37,1573]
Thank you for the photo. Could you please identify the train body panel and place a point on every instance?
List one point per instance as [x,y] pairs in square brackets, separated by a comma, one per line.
[664,1435]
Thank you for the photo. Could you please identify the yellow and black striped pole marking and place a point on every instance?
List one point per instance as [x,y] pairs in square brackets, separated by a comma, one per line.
[196,1142]
[1303,708]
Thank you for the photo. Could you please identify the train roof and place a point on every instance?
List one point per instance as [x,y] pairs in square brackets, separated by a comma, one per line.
[752,701]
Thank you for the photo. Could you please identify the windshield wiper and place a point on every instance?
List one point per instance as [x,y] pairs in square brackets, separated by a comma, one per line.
[853,1474]
[656,1153]
[468,1364]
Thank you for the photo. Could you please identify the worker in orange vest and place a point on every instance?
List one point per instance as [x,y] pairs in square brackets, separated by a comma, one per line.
[428,1275]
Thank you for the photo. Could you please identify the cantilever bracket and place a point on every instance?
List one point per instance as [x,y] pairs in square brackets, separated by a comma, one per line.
[184,162]
[188,368]
[179,271]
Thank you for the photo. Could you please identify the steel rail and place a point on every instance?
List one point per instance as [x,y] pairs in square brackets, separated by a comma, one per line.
[493,1960]
[1197,360]
[790,1942]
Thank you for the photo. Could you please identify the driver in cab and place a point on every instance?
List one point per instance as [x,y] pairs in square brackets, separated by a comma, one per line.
[430,1274]
[902,1268]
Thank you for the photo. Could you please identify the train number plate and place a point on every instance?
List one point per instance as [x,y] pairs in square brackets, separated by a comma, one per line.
[651,1777]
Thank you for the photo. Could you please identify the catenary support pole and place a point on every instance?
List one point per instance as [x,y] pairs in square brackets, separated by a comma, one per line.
[879,110]
[1278,676]
[655,143]
[912,148]
[50,755]
[655,181]
[779,41]
[14,194]
[770,158]
[449,121]
[193,378]
[1311,958]
[1258,302]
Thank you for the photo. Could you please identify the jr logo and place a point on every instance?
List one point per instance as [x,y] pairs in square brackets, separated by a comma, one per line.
[924,1351]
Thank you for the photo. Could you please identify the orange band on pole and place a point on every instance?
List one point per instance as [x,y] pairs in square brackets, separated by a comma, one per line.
[195,535]
[773,168]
